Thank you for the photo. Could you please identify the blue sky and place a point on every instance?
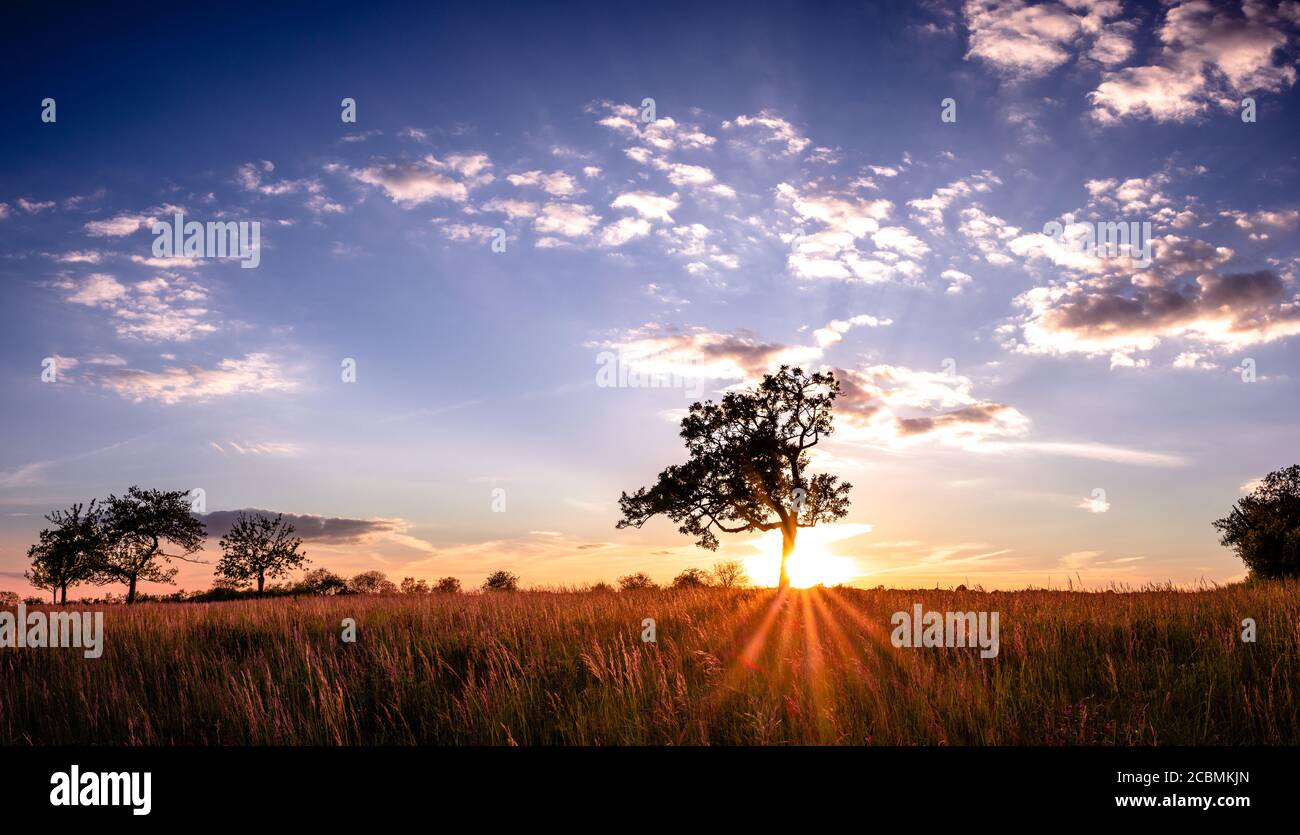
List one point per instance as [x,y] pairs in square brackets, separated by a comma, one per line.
[795,197]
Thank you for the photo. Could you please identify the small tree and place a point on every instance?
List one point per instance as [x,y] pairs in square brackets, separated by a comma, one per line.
[448,585]
[371,582]
[501,581]
[691,578]
[322,581]
[730,574]
[747,465]
[258,547]
[410,585]
[1264,527]
[137,526]
[636,582]
[70,552]
[10,598]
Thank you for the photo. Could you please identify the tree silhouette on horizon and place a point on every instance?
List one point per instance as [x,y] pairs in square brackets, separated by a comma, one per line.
[746,465]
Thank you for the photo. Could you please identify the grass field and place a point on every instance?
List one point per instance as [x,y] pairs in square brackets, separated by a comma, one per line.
[1158,667]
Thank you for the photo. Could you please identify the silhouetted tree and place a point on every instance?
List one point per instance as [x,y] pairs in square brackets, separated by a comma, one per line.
[323,582]
[410,585]
[691,578]
[501,581]
[1264,527]
[10,598]
[448,585]
[137,526]
[730,574]
[371,582]
[70,552]
[637,582]
[257,547]
[746,466]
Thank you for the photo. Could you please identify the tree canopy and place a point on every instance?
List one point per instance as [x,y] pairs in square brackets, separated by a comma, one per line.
[1264,526]
[747,462]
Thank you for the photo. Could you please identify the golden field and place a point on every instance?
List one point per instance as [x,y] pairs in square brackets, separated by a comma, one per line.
[730,667]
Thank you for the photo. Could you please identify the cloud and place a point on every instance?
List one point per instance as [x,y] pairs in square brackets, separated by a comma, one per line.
[253,374]
[572,220]
[1210,56]
[663,134]
[511,208]
[772,130]
[1111,315]
[167,308]
[118,226]
[326,530]
[409,184]
[893,406]
[928,211]
[624,230]
[647,204]
[556,183]
[1021,40]
[258,448]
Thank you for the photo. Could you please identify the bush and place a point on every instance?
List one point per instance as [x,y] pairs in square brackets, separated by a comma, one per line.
[501,581]
[636,582]
[322,581]
[371,582]
[410,585]
[730,574]
[448,585]
[691,578]
[1264,527]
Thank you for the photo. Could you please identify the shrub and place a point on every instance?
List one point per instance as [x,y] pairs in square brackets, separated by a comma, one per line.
[636,582]
[501,581]
[691,578]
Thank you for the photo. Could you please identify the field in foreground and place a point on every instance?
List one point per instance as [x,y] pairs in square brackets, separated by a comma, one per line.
[729,667]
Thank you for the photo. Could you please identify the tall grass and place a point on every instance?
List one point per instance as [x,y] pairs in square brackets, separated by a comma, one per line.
[729,667]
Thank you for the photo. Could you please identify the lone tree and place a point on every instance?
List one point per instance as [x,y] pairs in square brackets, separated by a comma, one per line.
[746,469]
[257,547]
[501,581]
[68,553]
[137,526]
[1264,527]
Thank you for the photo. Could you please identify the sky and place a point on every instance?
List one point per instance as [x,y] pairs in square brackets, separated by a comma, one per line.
[701,191]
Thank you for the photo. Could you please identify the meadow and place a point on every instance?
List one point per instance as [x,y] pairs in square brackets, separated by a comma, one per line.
[729,667]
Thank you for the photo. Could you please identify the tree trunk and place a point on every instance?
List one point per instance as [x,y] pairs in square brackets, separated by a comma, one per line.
[261,581]
[64,595]
[130,591]
[787,547]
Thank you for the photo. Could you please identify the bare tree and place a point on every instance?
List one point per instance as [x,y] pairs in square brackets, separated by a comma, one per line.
[730,574]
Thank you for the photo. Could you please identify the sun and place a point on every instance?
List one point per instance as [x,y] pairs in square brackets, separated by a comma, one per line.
[813,561]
